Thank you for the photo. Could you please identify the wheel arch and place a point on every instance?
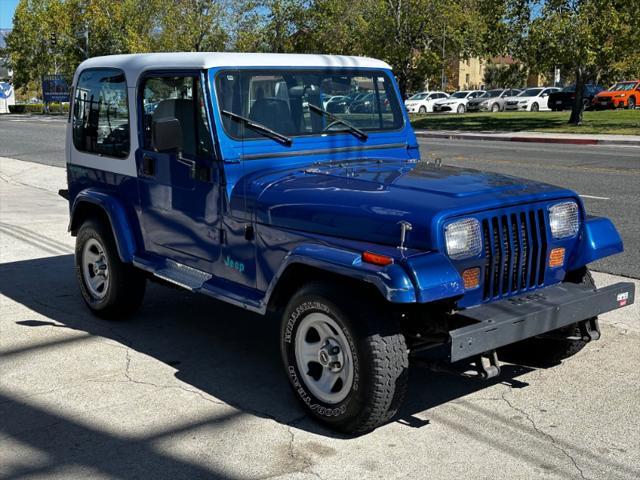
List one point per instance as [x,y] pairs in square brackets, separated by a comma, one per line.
[328,264]
[297,274]
[108,209]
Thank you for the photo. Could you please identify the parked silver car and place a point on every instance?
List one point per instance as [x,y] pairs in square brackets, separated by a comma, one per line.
[492,100]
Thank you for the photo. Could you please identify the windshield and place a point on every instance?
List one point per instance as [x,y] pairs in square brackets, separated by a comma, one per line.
[290,102]
[460,95]
[531,92]
[492,93]
[623,86]
[419,96]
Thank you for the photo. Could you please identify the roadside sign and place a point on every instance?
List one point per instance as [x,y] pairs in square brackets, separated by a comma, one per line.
[7,97]
[55,88]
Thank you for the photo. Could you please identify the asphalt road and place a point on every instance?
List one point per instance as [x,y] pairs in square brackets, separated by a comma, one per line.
[608,177]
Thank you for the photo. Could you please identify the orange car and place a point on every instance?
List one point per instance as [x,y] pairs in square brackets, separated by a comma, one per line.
[621,95]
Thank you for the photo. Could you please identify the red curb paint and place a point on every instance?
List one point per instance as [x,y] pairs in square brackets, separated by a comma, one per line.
[570,141]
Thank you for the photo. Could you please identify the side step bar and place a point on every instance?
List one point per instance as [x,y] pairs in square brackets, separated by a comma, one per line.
[202,282]
[182,275]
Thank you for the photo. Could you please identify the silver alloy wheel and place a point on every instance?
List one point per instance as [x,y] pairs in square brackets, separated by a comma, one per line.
[324,358]
[95,269]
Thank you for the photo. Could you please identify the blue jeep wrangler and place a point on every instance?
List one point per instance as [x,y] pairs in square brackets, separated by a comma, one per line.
[292,185]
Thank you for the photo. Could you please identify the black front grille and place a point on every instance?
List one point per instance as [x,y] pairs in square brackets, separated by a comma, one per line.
[515,247]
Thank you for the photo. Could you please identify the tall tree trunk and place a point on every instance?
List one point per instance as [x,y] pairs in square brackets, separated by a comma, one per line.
[578,104]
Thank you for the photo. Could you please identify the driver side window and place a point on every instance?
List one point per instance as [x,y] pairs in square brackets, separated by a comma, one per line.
[180,98]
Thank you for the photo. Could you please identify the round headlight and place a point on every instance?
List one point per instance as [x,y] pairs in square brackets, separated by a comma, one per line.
[564,220]
[463,238]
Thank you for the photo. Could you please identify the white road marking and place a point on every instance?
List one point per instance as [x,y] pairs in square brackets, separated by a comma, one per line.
[594,197]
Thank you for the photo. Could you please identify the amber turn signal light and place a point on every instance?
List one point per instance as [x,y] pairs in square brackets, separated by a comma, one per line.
[376,259]
[471,278]
[556,258]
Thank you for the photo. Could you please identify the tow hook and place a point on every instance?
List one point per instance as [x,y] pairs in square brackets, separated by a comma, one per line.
[487,365]
[589,329]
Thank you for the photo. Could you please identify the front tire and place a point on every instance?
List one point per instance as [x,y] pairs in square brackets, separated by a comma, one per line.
[110,288]
[461,108]
[541,350]
[535,107]
[347,364]
[422,110]
[631,103]
[495,108]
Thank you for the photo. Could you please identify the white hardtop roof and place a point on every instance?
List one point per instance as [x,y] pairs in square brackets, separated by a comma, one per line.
[134,64]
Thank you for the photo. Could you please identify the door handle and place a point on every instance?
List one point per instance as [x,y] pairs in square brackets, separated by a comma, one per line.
[186,161]
[148,165]
[189,163]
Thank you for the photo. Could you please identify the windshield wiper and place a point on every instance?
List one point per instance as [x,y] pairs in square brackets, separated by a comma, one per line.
[352,128]
[266,131]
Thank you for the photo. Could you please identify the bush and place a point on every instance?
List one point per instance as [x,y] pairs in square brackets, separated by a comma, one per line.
[38,108]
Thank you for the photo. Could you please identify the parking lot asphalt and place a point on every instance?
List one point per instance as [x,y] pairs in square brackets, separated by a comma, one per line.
[192,388]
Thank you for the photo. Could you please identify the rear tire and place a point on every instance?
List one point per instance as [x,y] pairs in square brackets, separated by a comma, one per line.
[631,103]
[347,362]
[541,350]
[110,288]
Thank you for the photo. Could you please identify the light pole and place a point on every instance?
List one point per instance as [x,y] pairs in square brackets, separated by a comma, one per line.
[442,77]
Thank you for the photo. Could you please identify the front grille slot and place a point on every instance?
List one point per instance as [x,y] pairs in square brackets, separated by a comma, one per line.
[515,247]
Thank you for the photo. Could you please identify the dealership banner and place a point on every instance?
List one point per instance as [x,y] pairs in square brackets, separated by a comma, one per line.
[55,88]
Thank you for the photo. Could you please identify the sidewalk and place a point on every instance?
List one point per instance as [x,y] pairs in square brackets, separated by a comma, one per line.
[534,137]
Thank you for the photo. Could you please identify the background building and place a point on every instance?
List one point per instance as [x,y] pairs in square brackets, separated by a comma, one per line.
[466,74]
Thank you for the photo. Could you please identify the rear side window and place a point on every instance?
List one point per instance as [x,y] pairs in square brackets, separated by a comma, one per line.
[101,113]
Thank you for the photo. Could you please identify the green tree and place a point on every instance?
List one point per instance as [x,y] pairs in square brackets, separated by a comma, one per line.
[503,76]
[592,39]
[268,25]
[337,27]
[193,25]
[31,46]
[410,35]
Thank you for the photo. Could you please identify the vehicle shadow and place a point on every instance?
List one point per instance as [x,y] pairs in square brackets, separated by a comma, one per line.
[216,348]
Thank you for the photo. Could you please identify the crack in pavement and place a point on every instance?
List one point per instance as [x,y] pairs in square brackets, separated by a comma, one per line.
[545,434]
[127,374]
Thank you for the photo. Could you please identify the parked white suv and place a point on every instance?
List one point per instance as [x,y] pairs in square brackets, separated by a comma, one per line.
[531,100]
[457,102]
[422,102]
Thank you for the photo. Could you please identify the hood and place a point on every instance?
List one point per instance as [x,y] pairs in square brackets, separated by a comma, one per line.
[365,200]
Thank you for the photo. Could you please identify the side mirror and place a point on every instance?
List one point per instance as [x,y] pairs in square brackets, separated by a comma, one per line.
[166,135]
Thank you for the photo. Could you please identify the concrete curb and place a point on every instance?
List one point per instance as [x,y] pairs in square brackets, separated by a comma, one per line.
[528,139]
